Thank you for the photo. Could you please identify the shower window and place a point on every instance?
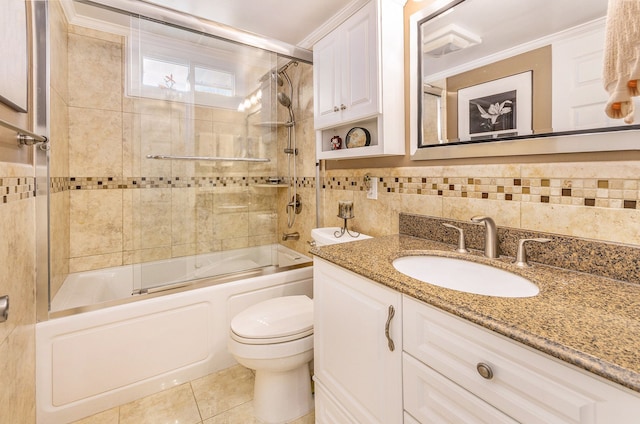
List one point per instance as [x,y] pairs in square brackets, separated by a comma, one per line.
[214,82]
[161,76]
[188,68]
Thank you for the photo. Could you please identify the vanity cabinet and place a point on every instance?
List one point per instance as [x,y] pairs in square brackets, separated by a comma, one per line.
[443,368]
[465,373]
[352,88]
[358,377]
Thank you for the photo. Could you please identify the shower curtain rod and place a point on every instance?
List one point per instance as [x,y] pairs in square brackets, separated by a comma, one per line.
[209,158]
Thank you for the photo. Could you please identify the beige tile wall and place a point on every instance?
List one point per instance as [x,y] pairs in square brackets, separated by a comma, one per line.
[596,200]
[17,280]
[302,78]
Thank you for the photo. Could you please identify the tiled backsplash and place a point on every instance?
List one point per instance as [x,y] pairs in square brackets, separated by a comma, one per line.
[604,193]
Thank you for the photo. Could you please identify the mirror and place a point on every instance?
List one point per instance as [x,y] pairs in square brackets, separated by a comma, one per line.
[489,72]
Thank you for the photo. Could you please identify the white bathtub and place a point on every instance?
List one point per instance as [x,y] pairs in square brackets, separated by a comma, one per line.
[106,285]
[91,361]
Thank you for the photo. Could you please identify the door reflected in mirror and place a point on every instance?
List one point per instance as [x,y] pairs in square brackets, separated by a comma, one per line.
[492,70]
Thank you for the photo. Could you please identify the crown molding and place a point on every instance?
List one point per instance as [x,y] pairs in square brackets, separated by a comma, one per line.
[332,23]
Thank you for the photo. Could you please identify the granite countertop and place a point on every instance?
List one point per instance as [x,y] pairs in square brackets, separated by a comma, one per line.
[589,321]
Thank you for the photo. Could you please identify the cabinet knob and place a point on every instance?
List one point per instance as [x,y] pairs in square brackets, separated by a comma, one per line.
[342,107]
[484,370]
[336,109]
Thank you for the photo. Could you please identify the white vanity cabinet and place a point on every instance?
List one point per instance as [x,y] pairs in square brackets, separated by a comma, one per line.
[461,372]
[358,378]
[352,85]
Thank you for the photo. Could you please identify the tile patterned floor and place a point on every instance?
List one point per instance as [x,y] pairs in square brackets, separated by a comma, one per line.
[224,397]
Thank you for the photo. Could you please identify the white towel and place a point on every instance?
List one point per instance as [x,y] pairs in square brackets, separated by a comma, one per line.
[622,58]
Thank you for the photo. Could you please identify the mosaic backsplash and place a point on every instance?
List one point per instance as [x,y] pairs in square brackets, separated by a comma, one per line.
[603,193]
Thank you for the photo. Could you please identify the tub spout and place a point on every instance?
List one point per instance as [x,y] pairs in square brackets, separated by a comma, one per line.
[291,236]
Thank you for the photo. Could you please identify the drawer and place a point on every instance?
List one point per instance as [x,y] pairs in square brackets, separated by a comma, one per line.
[526,385]
[432,398]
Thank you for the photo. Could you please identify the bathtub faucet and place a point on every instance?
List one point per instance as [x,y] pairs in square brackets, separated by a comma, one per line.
[291,236]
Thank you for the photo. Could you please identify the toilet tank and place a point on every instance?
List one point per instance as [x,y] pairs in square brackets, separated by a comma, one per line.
[326,235]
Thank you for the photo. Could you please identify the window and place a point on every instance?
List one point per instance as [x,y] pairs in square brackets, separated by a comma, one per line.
[171,64]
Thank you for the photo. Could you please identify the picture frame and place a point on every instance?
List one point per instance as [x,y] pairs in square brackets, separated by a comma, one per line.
[13,45]
[494,109]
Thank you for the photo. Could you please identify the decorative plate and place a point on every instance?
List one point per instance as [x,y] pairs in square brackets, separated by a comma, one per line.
[357,137]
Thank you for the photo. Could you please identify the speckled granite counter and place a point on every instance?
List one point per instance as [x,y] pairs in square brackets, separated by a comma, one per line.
[588,321]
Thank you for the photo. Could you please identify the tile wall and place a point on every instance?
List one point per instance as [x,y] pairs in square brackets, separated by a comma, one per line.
[124,208]
[17,280]
[594,200]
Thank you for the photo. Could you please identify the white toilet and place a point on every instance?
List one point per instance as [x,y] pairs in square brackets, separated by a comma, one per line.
[275,338]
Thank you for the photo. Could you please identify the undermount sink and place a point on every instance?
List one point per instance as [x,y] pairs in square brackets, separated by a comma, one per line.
[465,276]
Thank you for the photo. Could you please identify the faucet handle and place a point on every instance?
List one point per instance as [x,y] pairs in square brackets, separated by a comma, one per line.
[461,244]
[521,254]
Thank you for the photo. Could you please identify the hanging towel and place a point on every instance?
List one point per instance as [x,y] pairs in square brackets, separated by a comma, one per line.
[621,72]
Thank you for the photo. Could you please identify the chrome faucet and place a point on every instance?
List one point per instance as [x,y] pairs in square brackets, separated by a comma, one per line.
[491,236]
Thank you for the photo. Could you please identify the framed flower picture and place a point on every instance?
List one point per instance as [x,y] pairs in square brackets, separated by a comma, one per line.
[499,108]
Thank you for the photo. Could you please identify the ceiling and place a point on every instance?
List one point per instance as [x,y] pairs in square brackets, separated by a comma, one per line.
[291,21]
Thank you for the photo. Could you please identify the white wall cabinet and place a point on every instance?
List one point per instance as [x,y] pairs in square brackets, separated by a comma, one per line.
[358,377]
[346,71]
[352,88]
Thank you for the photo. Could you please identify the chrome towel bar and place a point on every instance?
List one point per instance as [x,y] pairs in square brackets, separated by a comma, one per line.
[209,158]
[27,138]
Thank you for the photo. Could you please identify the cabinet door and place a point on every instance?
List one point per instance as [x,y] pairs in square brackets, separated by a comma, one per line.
[326,80]
[328,411]
[359,84]
[353,360]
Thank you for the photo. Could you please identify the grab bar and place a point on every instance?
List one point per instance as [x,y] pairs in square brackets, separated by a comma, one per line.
[209,158]
[27,138]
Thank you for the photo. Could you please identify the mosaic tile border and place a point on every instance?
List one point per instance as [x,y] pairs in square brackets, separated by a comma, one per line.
[605,193]
[17,188]
[59,184]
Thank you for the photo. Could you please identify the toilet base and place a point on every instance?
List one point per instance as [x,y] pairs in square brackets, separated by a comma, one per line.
[282,396]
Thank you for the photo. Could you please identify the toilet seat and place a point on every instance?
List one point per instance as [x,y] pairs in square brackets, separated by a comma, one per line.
[276,320]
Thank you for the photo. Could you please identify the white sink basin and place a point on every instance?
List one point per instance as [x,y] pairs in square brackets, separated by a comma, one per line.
[465,276]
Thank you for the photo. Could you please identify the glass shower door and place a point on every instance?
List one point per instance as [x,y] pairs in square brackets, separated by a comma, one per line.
[202,150]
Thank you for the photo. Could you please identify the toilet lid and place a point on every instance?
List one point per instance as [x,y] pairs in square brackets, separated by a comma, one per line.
[275,320]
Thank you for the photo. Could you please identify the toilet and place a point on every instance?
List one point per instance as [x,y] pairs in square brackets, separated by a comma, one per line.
[275,338]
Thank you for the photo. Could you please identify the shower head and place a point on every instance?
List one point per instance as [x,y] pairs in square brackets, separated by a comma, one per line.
[277,78]
[284,100]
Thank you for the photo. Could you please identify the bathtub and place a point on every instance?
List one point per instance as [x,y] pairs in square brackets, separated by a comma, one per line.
[90,357]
